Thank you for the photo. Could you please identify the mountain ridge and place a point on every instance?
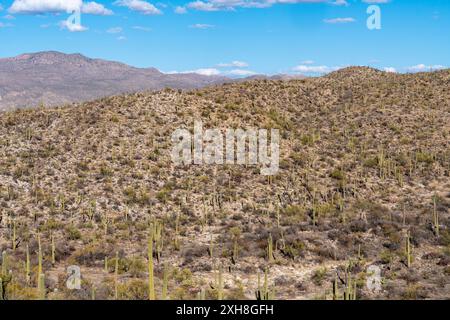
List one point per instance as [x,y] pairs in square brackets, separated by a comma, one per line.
[54,78]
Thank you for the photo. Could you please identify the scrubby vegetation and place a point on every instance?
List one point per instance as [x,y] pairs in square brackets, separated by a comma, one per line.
[364,180]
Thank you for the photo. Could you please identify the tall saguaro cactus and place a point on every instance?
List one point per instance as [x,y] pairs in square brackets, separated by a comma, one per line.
[151,283]
[39,257]
[53,250]
[116,277]
[41,287]
[270,256]
[435,217]
[14,237]
[165,282]
[27,265]
[263,293]
[408,249]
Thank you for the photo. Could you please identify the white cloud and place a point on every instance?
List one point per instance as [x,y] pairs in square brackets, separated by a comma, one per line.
[43,6]
[180,10]
[121,38]
[114,30]
[422,68]
[95,8]
[206,72]
[314,69]
[9,17]
[140,28]
[241,73]
[201,26]
[308,62]
[376,1]
[339,20]
[72,27]
[203,6]
[215,72]
[145,7]
[55,6]
[390,69]
[216,5]
[141,6]
[203,72]
[236,64]
[311,69]
[340,3]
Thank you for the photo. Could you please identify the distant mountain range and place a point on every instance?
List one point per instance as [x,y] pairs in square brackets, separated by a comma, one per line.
[53,78]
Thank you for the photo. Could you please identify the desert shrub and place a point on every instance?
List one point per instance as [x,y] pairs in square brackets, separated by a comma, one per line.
[386,256]
[294,248]
[371,162]
[294,210]
[337,174]
[183,275]
[137,266]
[411,292]
[307,139]
[105,171]
[51,224]
[237,292]
[90,255]
[72,233]
[319,276]
[424,157]
[135,289]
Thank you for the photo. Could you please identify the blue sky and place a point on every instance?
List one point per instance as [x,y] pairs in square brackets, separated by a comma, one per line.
[235,37]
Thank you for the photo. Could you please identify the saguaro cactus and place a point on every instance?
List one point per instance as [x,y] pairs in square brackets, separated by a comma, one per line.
[53,250]
[4,263]
[14,238]
[39,257]
[41,287]
[151,283]
[165,282]
[408,249]
[335,289]
[435,217]
[93,292]
[350,286]
[201,294]
[263,293]
[158,238]
[176,241]
[106,264]
[270,256]
[211,247]
[116,277]
[27,265]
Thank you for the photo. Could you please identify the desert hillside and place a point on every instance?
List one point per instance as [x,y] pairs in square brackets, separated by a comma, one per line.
[364,181]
